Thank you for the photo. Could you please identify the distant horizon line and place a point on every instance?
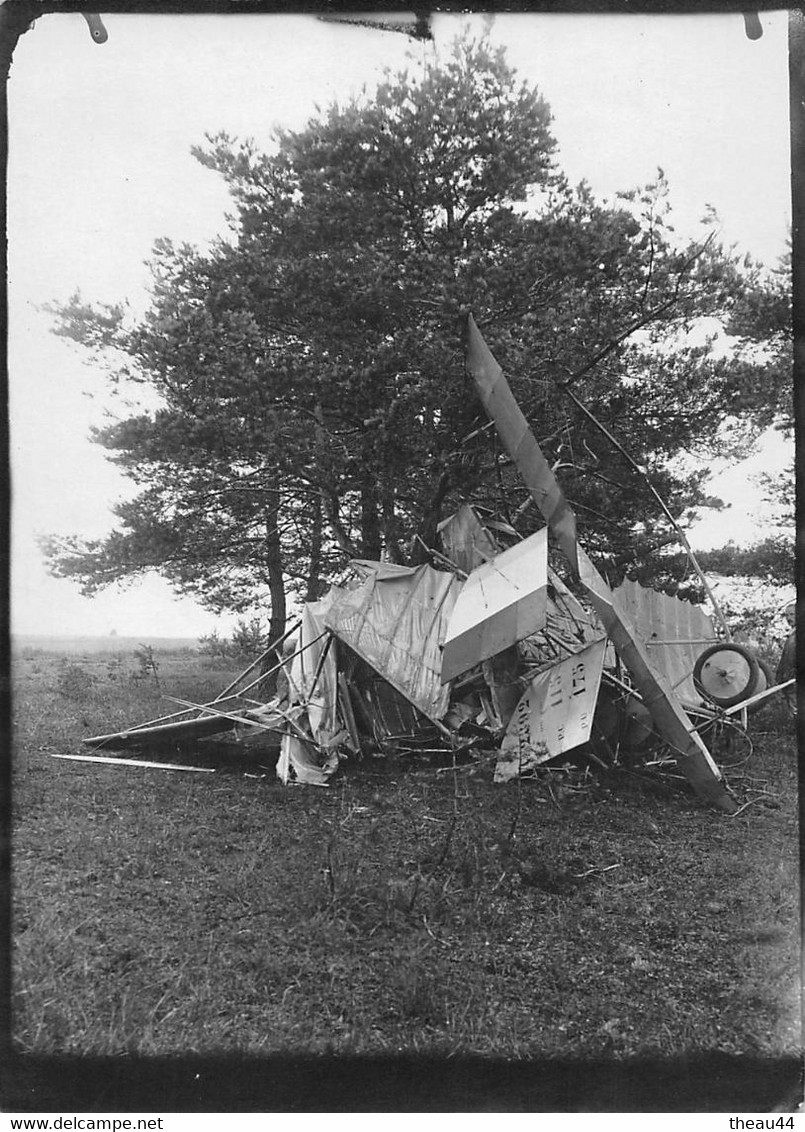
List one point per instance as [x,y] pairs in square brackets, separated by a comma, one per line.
[105,636]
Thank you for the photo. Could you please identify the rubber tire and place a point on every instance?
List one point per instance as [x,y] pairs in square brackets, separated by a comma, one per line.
[745,693]
[765,680]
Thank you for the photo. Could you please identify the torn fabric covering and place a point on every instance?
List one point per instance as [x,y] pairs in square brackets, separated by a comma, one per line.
[395,621]
[675,632]
[300,761]
[465,540]
[314,673]
[555,713]
[501,602]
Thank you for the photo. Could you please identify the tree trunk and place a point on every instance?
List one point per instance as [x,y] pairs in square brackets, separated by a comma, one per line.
[314,585]
[329,502]
[371,534]
[391,527]
[430,521]
[339,532]
[276,587]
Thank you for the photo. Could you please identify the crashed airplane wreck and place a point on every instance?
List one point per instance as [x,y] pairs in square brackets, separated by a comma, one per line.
[488,650]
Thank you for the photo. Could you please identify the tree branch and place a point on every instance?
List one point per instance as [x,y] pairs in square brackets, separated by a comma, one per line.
[639,323]
[642,472]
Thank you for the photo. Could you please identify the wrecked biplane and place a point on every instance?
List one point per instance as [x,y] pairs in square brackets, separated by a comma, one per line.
[492,649]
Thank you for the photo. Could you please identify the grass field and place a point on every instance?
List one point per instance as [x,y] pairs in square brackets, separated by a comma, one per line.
[410,907]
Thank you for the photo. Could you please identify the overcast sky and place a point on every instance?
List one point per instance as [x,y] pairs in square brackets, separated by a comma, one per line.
[100,167]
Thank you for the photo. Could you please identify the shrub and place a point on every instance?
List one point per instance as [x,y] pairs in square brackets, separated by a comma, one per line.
[73,681]
[248,640]
[147,662]
[214,646]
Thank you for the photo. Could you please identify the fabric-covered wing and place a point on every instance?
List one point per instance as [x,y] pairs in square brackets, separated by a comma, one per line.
[397,621]
[674,631]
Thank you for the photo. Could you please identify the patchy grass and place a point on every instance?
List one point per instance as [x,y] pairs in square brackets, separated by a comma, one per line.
[409,907]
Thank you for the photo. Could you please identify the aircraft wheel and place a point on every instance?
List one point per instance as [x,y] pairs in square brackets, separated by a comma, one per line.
[726,674]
